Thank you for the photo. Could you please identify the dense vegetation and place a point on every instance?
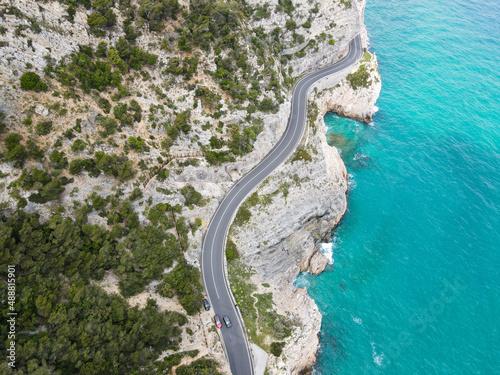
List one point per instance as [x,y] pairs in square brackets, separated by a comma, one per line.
[65,323]
[117,166]
[104,67]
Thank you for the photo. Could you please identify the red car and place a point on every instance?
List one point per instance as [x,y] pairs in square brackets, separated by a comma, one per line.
[217,321]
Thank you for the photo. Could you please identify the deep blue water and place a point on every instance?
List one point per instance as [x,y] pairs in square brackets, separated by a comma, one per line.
[415,287]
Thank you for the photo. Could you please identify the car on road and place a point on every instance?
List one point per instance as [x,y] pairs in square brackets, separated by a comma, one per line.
[206,304]
[217,321]
[227,322]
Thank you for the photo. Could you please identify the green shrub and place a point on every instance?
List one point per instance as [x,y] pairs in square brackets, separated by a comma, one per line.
[128,114]
[104,104]
[181,121]
[290,24]
[136,109]
[136,194]
[192,196]
[99,203]
[2,124]
[104,18]
[216,142]
[32,81]
[360,78]
[243,216]
[109,124]
[209,98]
[301,155]
[102,50]
[33,150]
[307,24]
[97,22]
[43,128]
[217,158]
[58,161]
[33,178]
[15,150]
[49,192]
[138,144]
[277,348]
[183,44]
[155,12]
[200,366]
[120,113]
[119,167]
[184,279]
[162,175]
[347,3]
[242,140]
[76,166]
[267,105]
[187,162]
[161,214]
[261,12]
[331,41]
[78,145]
[231,251]
[186,68]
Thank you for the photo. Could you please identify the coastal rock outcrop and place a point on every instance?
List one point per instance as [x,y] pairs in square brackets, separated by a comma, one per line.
[318,263]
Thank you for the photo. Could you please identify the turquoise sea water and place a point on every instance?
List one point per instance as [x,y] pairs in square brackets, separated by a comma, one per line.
[415,287]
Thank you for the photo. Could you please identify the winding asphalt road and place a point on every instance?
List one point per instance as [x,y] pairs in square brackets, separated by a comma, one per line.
[214,242]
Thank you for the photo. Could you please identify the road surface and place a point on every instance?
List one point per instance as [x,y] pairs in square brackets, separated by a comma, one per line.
[213,250]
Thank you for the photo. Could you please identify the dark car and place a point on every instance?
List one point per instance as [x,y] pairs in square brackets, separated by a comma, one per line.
[218,324]
[206,304]
[227,322]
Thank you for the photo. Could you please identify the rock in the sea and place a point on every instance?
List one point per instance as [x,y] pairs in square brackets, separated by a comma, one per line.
[318,263]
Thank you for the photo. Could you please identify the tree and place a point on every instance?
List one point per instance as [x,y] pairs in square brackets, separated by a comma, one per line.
[185,280]
[32,81]
[58,161]
[78,145]
[55,262]
[267,106]
[181,121]
[138,144]
[109,124]
[49,192]
[15,150]
[76,166]
[290,24]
